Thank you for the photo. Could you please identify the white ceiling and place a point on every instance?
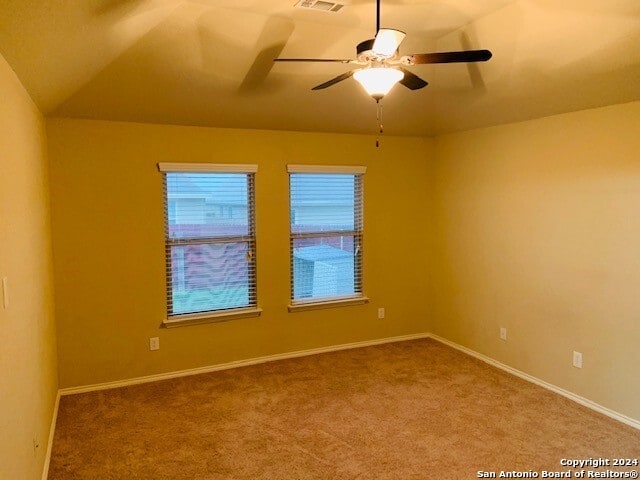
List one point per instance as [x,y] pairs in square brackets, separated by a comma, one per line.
[209,62]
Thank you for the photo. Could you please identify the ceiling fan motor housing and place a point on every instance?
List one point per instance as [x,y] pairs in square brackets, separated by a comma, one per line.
[364,51]
[366,46]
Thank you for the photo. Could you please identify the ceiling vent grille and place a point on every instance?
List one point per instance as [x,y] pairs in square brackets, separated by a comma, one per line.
[321,5]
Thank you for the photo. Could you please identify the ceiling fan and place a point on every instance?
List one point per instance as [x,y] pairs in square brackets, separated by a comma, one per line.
[382,65]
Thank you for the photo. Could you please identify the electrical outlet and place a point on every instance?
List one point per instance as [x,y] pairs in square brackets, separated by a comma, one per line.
[154,343]
[381,312]
[503,333]
[577,359]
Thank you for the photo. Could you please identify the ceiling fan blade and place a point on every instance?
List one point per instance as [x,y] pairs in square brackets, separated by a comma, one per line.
[447,57]
[336,60]
[387,41]
[335,80]
[412,81]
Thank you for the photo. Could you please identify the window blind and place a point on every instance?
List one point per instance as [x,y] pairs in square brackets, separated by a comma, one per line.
[326,233]
[209,238]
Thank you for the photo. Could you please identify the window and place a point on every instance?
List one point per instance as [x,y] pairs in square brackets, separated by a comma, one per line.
[209,240]
[326,233]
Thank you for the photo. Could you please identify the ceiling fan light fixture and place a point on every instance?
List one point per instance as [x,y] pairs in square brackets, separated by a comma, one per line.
[378,81]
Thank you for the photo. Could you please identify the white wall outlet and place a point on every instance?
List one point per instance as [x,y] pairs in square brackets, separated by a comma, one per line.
[381,312]
[5,292]
[577,359]
[154,343]
[503,333]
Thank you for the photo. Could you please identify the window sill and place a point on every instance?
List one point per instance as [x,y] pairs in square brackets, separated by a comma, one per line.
[210,317]
[303,307]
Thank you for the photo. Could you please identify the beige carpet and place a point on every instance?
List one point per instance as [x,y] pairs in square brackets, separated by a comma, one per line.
[409,410]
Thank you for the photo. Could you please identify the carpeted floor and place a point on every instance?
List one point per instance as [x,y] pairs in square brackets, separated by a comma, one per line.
[408,410]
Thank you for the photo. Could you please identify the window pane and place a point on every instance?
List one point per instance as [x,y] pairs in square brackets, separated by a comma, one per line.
[321,203]
[207,204]
[210,277]
[324,267]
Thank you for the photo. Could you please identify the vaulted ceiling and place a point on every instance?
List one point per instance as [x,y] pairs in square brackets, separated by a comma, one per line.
[209,62]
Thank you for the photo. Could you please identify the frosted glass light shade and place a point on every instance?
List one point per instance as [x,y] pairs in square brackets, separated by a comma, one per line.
[378,81]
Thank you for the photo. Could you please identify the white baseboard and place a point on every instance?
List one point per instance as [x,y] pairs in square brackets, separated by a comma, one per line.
[314,351]
[52,431]
[238,363]
[530,378]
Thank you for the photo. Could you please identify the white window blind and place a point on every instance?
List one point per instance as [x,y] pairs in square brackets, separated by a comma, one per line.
[326,233]
[209,238]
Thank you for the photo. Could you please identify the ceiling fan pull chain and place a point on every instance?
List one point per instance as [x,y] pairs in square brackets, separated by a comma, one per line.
[379,121]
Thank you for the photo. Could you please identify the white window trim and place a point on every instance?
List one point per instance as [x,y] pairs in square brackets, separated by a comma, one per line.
[208,167]
[185,319]
[316,304]
[348,169]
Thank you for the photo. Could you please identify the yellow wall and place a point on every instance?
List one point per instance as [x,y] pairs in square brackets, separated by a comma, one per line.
[109,253]
[532,226]
[538,230]
[28,378]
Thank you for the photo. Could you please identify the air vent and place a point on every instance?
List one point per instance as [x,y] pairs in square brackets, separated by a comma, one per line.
[320,5]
